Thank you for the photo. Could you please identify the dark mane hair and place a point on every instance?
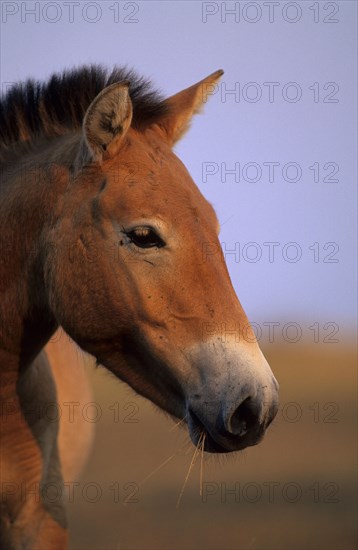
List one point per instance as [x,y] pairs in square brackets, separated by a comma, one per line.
[36,109]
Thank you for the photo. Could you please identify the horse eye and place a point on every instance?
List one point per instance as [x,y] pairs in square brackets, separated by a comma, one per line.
[144,237]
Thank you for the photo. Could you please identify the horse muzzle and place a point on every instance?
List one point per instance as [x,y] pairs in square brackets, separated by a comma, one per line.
[231,408]
[228,430]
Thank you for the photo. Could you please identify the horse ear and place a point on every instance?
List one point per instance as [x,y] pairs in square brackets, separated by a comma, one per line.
[183,105]
[107,120]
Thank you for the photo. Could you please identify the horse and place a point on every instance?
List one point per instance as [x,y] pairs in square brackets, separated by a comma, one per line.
[104,233]
[57,383]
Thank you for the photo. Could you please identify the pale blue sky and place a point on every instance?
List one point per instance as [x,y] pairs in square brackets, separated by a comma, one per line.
[170,42]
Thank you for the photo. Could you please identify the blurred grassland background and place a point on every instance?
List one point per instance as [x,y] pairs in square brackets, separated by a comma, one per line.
[295,490]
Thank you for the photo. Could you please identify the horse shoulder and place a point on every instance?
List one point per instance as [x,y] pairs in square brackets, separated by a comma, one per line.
[76,431]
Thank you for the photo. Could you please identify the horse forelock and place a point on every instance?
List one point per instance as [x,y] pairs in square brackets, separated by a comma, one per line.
[35,109]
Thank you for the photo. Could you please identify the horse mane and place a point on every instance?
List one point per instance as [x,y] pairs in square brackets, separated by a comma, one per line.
[34,109]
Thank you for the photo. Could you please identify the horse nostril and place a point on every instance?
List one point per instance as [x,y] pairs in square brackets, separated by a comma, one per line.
[242,419]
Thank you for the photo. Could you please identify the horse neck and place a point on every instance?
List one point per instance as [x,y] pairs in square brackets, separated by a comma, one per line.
[30,191]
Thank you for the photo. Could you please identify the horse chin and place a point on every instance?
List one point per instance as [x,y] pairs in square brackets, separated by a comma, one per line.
[215,447]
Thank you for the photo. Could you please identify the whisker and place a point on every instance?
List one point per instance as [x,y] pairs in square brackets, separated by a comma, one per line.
[189,471]
[158,468]
[202,464]
[177,424]
[151,474]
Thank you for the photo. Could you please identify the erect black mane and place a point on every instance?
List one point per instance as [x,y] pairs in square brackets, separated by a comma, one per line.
[35,108]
